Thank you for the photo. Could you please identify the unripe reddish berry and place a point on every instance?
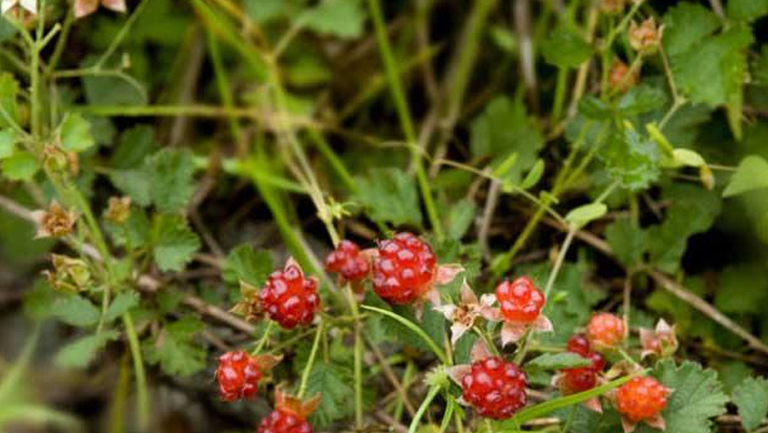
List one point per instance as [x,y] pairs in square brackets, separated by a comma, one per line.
[289,298]
[495,388]
[348,262]
[404,269]
[284,421]
[641,399]
[238,375]
[579,344]
[519,300]
[605,331]
[575,380]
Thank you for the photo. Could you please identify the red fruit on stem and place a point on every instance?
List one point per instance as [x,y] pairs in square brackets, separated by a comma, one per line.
[289,298]
[520,301]
[404,269]
[641,399]
[238,375]
[348,262]
[605,331]
[283,420]
[578,343]
[495,388]
[575,380]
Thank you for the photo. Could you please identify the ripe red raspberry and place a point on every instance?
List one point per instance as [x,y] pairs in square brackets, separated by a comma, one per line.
[578,343]
[520,301]
[284,421]
[575,380]
[238,375]
[289,298]
[605,331]
[347,261]
[404,269]
[495,388]
[641,399]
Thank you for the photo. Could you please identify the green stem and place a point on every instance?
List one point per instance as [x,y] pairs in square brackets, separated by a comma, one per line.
[61,42]
[142,398]
[358,361]
[310,361]
[415,329]
[557,108]
[433,391]
[264,338]
[403,112]
[118,39]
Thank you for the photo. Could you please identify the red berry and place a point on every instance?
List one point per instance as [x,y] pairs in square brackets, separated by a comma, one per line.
[642,398]
[289,298]
[284,421]
[495,388]
[238,375]
[404,269]
[605,330]
[520,301]
[575,380]
[347,261]
[578,343]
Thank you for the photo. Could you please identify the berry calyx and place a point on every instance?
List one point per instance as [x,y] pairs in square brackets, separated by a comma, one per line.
[495,388]
[404,269]
[348,262]
[519,300]
[641,399]
[605,331]
[238,375]
[289,298]
[283,420]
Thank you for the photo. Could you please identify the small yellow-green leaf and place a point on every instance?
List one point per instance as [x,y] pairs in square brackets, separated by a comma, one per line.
[586,213]
[751,174]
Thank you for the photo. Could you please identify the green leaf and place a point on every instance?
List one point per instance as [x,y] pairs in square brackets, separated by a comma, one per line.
[686,24]
[389,195]
[9,90]
[693,211]
[174,348]
[631,158]
[641,99]
[245,264]
[751,174]
[174,243]
[586,213]
[81,352]
[742,289]
[460,218]
[760,67]
[262,11]
[627,241]
[135,183]
[171,174]
[751,398]
[342,18]
[123,302]
[558,361]
[8,139]
[135,145]
[76,311]
[534,175]
[504,128]
[334,384]
[746,9]
[19,166]
[565,48]
[687,157]
[697,396]
[75,133]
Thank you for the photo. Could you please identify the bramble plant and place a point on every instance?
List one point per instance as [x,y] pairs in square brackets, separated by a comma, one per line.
[289,216]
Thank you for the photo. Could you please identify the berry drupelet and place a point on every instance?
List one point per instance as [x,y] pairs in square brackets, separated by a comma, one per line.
[495,388]
[283,420]
[238,375]
[404,269]
[519,300]
[641,399]
[289,298]
[605,331]
[347,261]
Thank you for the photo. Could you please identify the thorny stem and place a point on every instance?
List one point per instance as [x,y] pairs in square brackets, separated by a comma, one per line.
[310,361]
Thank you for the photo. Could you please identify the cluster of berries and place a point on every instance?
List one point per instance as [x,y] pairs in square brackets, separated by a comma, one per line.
[403,270]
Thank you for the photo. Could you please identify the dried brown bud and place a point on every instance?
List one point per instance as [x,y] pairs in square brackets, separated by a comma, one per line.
[55,221]
[57,159]
[84,8]
[660,342]
[645,38]
[621,78]
[119,209]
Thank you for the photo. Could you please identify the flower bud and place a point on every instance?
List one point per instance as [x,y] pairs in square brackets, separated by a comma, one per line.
[645,37]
